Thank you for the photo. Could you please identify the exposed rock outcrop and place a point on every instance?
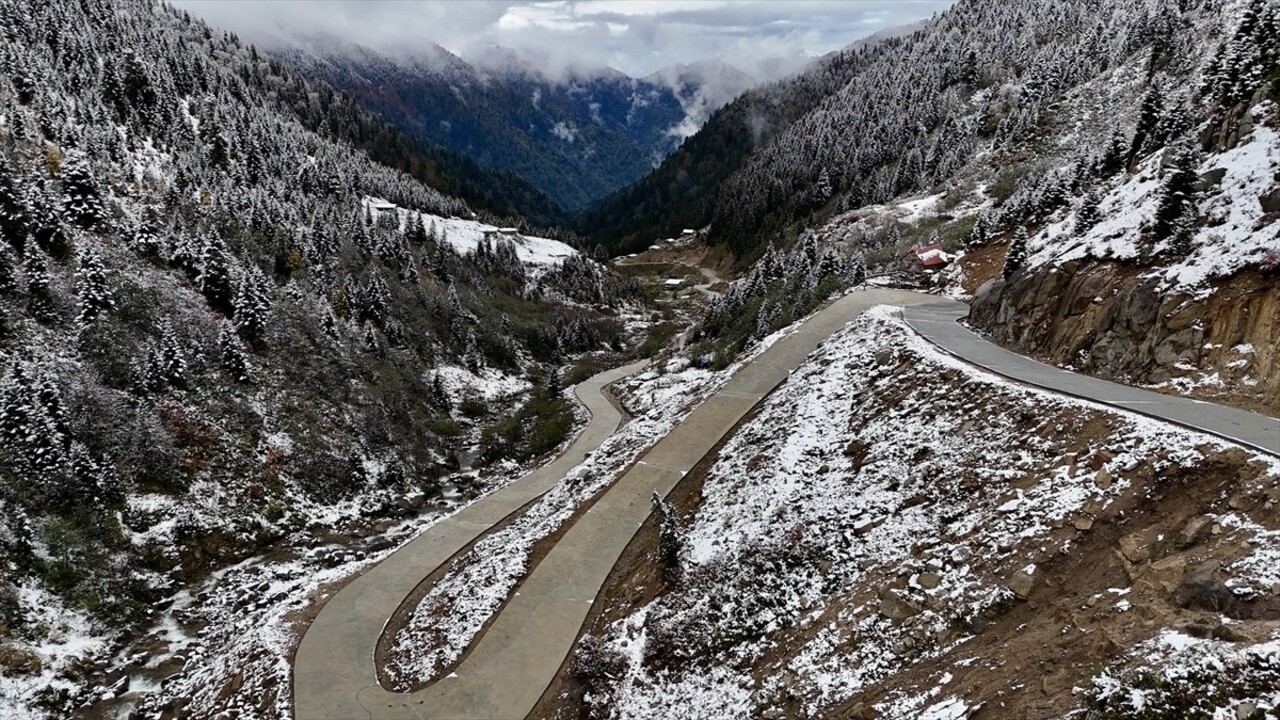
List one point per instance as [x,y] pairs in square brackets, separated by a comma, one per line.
[1106,319]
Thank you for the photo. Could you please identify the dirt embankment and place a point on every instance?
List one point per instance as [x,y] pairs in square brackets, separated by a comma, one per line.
[1104,319]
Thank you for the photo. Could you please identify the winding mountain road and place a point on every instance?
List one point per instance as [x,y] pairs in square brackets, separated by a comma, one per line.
[334,662]
[512,664]
[938,322]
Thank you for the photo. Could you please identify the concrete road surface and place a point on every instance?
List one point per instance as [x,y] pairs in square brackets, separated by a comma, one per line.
[335,660]
[937,322]
[514,662]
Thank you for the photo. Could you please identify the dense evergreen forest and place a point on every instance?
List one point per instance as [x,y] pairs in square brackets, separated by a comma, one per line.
[207,333]
[857,129]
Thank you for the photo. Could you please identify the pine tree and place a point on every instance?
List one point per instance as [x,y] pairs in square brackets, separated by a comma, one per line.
[822,188]
[1112,159]
[980,233]
[166,364]
[1178,194]
[91,483]
[375,300]
[39,299]
[251,305]
[440,259]
[8,272]
[144,241]
[93,294]
[371,339]
[1088,215]
[215,276]
[46,222]
[1149,115]
[1017,253]
[415,232]
[1242,65]
[1182,243]
[29,423]
[858,270]
[671,539]
[82,199]
[231,353]
[13,221]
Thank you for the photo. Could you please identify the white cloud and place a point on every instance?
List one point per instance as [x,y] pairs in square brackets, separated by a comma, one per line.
[635,36]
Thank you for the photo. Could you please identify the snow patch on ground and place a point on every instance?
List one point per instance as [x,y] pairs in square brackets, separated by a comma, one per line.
[1173,671]
[489,384]
[465,235]
[67,636]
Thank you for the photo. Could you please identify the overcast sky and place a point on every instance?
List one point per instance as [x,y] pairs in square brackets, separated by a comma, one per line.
[635,36]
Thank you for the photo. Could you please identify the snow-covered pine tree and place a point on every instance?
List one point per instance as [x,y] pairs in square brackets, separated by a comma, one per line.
[36,270]
[165,365]
[440,257]
[215,275]
[375,298]
[1178,192]
[93,293]
[371,343]
[231,353]
[81,197]
[13,222]
[144,241]
[671,538]
[91,483]
[45,220]
[1112,159]
[980,233]
[8,271]
[1149,114]
[858,270]
[1244,63]
[1088,215]
[1016,256]
[251,305]
[30,425]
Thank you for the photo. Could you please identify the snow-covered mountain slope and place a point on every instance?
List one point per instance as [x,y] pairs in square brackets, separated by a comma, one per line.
[1236,234]
[218,368]
[1125,211]
[896,534]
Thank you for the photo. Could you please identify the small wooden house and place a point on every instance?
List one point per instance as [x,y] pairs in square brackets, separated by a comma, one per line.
[932,257]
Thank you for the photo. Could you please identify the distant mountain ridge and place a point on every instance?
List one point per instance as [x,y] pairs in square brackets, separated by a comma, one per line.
[576,138]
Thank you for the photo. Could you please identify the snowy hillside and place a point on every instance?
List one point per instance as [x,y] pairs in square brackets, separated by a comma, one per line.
[1236,235]
[881,570]
[465,236]
[220,376]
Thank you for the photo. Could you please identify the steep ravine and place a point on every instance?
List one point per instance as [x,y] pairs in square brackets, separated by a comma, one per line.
[1106,319]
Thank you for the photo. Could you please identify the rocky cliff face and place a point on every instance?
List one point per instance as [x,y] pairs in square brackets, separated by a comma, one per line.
[1106,319]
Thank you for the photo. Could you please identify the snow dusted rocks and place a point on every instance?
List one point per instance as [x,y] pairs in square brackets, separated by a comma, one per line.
[1113,300]
[894,607]
[1022,582]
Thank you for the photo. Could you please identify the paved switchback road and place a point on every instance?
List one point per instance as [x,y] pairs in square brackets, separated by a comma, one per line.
[515,660]
[938,323]
[334,662]
[512,664]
